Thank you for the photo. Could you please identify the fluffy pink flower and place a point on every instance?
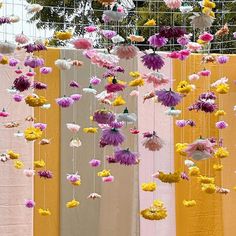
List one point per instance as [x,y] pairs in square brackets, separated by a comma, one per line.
[134,93]
[90,28]
[155,78]
[204,73]
[29,172]
[17,97]
[21,38]
[108,179]
[30,73]
[173,4]
[194,47]
[206,37]
[82,43]
[126,51]
[194,77]
[173,55]
[3,113]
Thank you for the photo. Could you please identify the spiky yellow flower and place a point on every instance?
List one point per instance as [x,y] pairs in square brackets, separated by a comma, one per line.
[4,60]
[209,4]
[180,147]
[77,183]
[119,101]
[137,82]
[222,88]
[184,87]
[73,203]
[134,74]
[206,180]
[194,171]
[149,187]
[44,212]
[220,113]
[104,173]
[32,133]
[221,152]
[218,167]
[91,130]
[151,22]
[189,203]
[39,164]
[35,100]
[168,178]
[208,188]
[18,164]
[13,155]
[63,35]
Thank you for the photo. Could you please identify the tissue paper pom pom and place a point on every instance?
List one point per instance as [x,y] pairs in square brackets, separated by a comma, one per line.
[103,116]
[136,82]
[95,163]
[34,62]
[150,22]
[194,47]
[63,35]
[134,93]
[112,136]
[74,84]
[29,172]
[153,61]
[184,87]
[21,38]
[206,180]
[168,98]
[73,203]
[39,164]
[82,43]
[108,179]
[32,133]
[73,178]
[75,143]
[149,187]
[173,55]
[221,152]
[194,77]
[189,163]
[76,96]
[64,101]
[44,212]
[39,85]
[167,178]
[152,142]
[208,188]
[194,171]
[218,167]
[206,37]
[13,155]
[33,47]
[126,51]
[31,73]
[126,157]
[18,164]
[222,88]
[46,174]
[35,100]
[222,59]
[221,125]
[222,190]
[117,39]
[7,48]
[13,62]
[45,70]
[63,64]
[22,83]
[183,40]
[90,28]
[90,90]
[41,126]
[189,203]
[34,8]
[204,73]
[173,4]
[74,128]
[108,34]
[29,203]
[157,41]
[181,123]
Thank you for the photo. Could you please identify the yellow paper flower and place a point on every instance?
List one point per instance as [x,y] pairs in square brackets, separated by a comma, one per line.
[104,173]
[119,101]
[222,88]
[168,178]
[189,203]
[194,171]
[35,100]
[184,87]
[18,164]
[137,82]
[149,187]
[208,188]
[63,35]
[44,212]
[77,183]
[151,22]
[39,164]
[221,152]
[136,38]
[134,74]
[208,11]
[218,167]
[32,133]
[180,147]
[220,113]
[72,203]
[13,155]
[206,180]
[4,60]
[202,42]
[209,4]
[90,130]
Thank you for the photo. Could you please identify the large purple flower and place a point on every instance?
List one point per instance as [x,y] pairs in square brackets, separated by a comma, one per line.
[34,62]
[13,62]
[153,61]
[126,157]
[172,32]
[157,41]
[168,98]
[22,83]
[112,137]
[31,47]
[103,116]
[64,101]
[108,34]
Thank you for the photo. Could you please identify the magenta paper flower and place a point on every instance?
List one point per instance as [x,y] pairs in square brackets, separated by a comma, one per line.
[172,32]
[64,101]
[153,61]
[108,34]
[29,203]
[32,47]
[173,55]
[157,41]
[90,28]
[108,179]
[221,124]
[39,85]
[95,80]
[17,97]
[95,163]
[31,73]
[21,39]
[114,86]
[204,73]
[3,113]
[103,116]
[126,157]
[82,43]
[222,59]
[168,98]
[206,37]
[76,96]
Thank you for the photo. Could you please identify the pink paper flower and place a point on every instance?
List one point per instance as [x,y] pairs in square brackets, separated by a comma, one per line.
[29,172]
[194,47]
[206,37]
[21,39]
[3,113]
[173,4]
[126,51]
[82,43]
[108,179]
[90,28]
[17,97]
[30,73]
[74,128]
[29,203]
[95,80]
[173,55]
[194,77]
[204,73]
[76,96]
[95,163]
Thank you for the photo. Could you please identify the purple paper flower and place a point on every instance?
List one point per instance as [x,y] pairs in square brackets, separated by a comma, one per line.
[76,96]
[181,123]
[46,174]
[39,85]
[172,32]
[95,163]
[221,124]
[5,20]
[29,203]
[45,70]
[207,96]
[119,69]
[222,59]
[183,41]
[17,97]
[13,62]
[22,83]
[111,159]
[126,157]
[74,84]
[31,47]
[34,62]
[64,101]
[108,34]
[112,137]
[95,80]
[184,176]
[103,116]
[157,41]
[153,61]
[116,124]
[73,177]
[191,123]
[168,98]
[41,126]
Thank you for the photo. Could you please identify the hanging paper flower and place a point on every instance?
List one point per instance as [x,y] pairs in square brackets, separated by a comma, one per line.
[134,93]
[82,43]
[35,100]
[7,47]
[95,163]
[104,173]
[153,61]
[29,203]
[116,13]
[103,116]
[90,28]
[206,180]
[206,37]
[74,84]
[136,38]
[32,133]
[126,157]
[74,128]
[189,203]
[173,112]
[30,73]
[152,142]
[39,164]
[108,34]
[189,163]
[46,174]
[208,188]
[222,190]
[34,62]
[95,80]
[194,77]
[202,21]
[35,47]
[45,70]
[41,126]
[112,136]
[149,187]
[173,55]
[194,47]
[4,157]
[73,203]
[13,62]
[126,117]
[114,86]
[167,178]
[4,60]
[221,152]
[126,51]
[173,4]
[34,8]
[63,35]
[29,172]
[222,59]
[181,123]
[3,113]
[65,101]
[45,141]
[76,97]
[204,73]
[184,9]
[119,101]
[221,125]
[137,82]
[63,64]
[74,179]
[94,196]
[218,167]
[108,179]
[184,176]
[157,41]
[194,171]
[39,85]
[22,83]
[90,130]
[168,98]
[44,212]
[156,78]
[184,87]
[223,31]
[150,22]
[21,39]
[13,155]
[18,164]
[222,88]
[90,90]
[75,143]
[172,32]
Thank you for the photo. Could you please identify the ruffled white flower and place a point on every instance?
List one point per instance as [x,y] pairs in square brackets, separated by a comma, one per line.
[74,128]
[189,163]
[186,9]
[64,64]
[34,8]
[173,112]
[117,39]
[220,81]
[75,143]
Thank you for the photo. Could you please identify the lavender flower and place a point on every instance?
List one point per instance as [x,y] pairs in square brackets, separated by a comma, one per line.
[153,61]
[74,84]
[17,97]
[39,85]
[29,203]
[183,41]
[108,34]
[222,59]
[34,47]
[116,124]
[34,62]
[181,123]
[64,101]
[103,116]
[22,83]
[112,137]
[221,125]
[157,41]
[76,96]
[126,157]
[73,178]
[41,126]
[45,70]
[46,174]
[95,80]
[168,98]
[191,123]
[95,163]
[13,62]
